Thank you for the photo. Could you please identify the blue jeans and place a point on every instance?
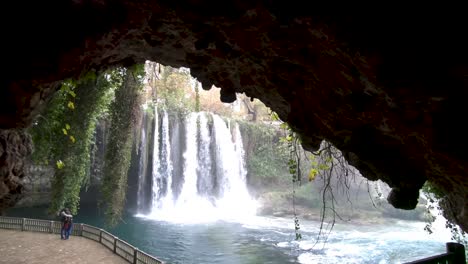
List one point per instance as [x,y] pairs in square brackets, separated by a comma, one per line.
[65,232]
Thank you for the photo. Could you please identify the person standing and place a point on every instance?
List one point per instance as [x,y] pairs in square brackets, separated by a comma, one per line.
[67,221]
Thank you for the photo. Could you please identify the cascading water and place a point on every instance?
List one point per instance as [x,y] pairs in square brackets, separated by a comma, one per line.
[165,169]
[233,190]
[189,188]
[205,183]
[156,180]
[162,164]
[213,182]
[239,146]
[142,168]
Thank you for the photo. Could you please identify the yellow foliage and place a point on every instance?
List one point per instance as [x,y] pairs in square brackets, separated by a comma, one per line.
[64,131]
[67,127]
[71,105]
[312,174]
[72,139]
[60,164]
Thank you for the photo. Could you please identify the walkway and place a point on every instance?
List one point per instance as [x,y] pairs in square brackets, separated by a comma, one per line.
[38,248]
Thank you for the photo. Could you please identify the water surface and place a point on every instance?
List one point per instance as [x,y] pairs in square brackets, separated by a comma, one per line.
[267,240]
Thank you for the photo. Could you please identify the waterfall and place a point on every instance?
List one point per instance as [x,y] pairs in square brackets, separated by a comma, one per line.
[239,147]
[165,169]
[212,182]
[189,187]
[205,183]
[162,165]
[230,156]
[142,167]
[155,175]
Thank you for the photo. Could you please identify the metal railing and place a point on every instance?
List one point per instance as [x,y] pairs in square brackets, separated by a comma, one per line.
[455,252]
[455,255]
[116,245]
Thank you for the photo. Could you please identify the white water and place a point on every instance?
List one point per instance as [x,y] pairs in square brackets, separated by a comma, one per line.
[374,243]
[165,160]
[156,177]
[394,241]
[142,168]
[189,188]
[272,240]
[215,150]
[167,146]
[207,194]
[235,198]
[438,225]
[205,181]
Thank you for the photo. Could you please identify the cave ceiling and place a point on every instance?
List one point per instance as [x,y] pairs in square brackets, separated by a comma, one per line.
[388,91]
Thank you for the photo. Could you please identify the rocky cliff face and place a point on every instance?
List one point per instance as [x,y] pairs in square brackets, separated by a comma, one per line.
[15,146]
[387,91]
[36,185]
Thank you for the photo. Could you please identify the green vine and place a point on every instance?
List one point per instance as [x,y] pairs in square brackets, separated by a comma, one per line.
[124,113]
[295,171]
[294,167]
[69,123]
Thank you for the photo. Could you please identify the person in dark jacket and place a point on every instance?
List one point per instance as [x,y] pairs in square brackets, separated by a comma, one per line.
[67,222]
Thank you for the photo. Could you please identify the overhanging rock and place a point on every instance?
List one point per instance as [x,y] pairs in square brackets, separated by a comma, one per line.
[389,92]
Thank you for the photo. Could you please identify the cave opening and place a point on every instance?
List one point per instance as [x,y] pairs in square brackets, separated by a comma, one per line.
[388,94]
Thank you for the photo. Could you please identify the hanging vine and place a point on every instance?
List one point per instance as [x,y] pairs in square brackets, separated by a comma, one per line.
[68,122]
[435,197]
[124,113]
[325,164]
[294,168]
[295,172]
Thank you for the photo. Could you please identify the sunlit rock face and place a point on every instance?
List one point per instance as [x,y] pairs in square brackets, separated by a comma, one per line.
[387,91]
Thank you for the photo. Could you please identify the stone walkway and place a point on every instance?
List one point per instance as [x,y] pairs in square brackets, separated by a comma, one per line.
[38,248]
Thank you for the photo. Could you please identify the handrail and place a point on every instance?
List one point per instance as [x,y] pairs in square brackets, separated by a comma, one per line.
[117,246]
[455,255]
[455,252]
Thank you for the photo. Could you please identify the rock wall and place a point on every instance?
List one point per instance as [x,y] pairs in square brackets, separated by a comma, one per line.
[15,146]
[37,180]
[37,185]
[388,91]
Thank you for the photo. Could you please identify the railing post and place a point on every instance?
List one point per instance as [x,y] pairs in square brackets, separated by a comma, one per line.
[115,244]
[100,236]
[81,229]
[51,227]
[458,251]
[23,224]
[135,252]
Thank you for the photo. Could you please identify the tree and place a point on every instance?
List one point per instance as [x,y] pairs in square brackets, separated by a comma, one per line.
[251,109]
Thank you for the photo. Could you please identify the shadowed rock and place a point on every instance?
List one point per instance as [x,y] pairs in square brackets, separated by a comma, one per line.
[388,91]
